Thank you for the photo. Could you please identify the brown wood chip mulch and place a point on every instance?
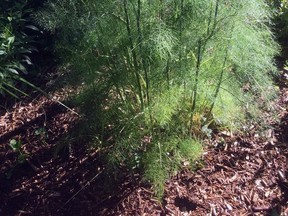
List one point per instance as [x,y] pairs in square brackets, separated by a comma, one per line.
[241,174]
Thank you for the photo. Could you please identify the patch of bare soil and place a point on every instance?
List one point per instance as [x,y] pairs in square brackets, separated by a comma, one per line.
[241,175]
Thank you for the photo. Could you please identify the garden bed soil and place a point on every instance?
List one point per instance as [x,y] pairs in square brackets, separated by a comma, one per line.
[244,174]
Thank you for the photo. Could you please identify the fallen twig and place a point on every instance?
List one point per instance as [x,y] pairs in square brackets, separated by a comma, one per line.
[87,184]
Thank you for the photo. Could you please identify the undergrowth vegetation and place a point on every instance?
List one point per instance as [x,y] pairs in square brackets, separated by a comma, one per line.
[280,18]
[18,40]
[156,77]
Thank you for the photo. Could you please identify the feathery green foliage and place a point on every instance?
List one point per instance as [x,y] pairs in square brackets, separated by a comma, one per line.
[158,74]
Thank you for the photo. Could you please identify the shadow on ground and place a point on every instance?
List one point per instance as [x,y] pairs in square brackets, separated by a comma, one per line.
[61,175]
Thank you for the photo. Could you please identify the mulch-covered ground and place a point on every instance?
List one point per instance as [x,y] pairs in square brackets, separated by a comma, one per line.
[243,174]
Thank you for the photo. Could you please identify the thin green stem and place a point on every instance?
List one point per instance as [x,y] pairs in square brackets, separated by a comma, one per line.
[218,85]
[212,32]
[195,88]
[143,60]
[134,56]
[198,64]
[167,69]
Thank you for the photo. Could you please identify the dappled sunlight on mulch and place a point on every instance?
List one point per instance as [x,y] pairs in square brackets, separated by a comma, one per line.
[241,174]
[238,180]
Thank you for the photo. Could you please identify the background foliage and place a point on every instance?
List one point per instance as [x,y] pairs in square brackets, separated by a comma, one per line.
[159,76]
[19,40]
[280,19]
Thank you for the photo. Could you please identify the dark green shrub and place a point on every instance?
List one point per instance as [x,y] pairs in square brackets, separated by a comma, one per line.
[280,18]
[18,41]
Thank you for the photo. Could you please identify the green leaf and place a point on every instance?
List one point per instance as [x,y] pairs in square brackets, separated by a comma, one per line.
[9,92]
[27,60]
[15,145]
[22,50]
[13,71]
[20,67]
[2,52]
[32,27]
[16,89]
[32,85]
[39,131]
[11,39]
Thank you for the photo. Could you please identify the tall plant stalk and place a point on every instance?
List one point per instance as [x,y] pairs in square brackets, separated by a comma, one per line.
[210,33]
[134,56]
[218,86]
[167,71]
[198,64]
[201,45]
[143,58]
[181,38]
[220,79]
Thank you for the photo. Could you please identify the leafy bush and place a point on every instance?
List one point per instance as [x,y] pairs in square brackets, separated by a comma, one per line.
[159,75]
[280,18]
[17,40]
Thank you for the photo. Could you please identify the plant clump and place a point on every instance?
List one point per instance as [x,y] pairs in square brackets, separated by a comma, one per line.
[159,76]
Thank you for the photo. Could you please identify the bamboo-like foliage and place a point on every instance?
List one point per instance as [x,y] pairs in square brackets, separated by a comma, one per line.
[162,73]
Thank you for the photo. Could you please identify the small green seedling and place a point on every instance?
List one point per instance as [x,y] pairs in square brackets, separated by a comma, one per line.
[40,132]
[16,147]
[42,135]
